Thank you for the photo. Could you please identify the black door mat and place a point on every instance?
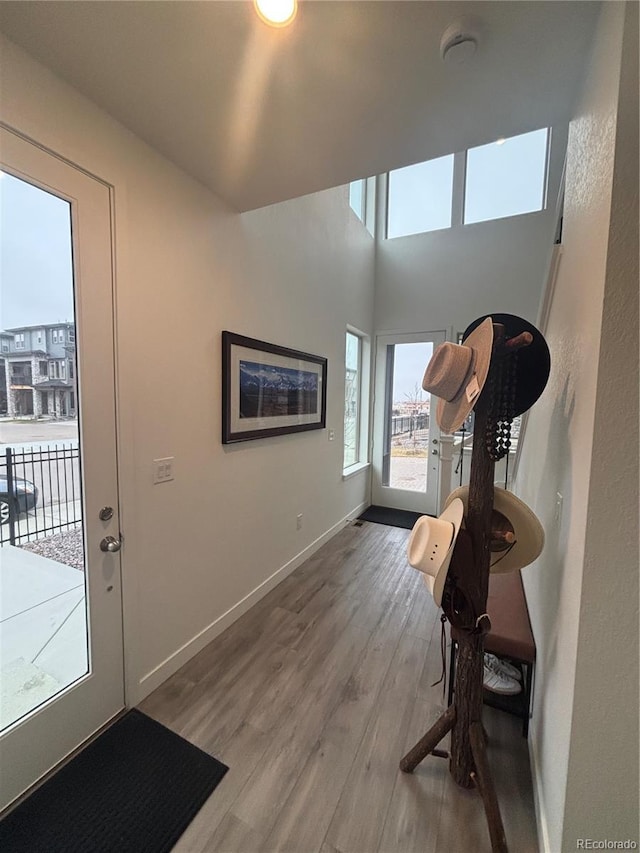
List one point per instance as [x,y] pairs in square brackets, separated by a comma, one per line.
[391,517]
[134,789]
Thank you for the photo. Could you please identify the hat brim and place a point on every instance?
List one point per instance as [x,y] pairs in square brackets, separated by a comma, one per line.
[450,415]
[528,531]
[534,361]
[453,513]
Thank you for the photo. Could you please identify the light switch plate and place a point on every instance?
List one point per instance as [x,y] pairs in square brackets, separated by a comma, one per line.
[163,470]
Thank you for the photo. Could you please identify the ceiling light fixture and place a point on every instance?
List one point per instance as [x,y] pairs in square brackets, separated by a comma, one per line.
[458,44]
[277,13]
[501,141]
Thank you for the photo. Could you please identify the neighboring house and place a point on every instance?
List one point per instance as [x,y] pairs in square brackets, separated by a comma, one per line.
[39,370]
[5,343]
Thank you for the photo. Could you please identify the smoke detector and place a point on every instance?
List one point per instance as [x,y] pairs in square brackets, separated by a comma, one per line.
[458,44]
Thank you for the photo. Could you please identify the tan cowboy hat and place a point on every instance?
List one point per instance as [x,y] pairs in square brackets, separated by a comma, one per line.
[431,546]
[457,373]
[524,538]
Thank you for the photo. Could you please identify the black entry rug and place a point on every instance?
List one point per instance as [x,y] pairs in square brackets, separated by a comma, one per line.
[391,517]
[134,789]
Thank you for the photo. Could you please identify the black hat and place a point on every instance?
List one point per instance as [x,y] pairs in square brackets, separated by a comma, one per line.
[534,361]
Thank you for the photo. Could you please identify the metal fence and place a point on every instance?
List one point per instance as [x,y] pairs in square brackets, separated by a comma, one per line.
[409,423]
[40,492]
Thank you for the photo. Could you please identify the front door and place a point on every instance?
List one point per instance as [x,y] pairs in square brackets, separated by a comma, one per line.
[61,650]
[406,435]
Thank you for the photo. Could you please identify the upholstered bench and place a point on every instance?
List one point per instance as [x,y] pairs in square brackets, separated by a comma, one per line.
[510,638]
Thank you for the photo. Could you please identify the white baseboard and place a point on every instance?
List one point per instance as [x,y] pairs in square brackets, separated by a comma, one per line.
[171,664]
[538,799]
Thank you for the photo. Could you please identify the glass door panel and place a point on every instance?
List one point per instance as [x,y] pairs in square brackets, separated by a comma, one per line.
[61,649]
[406,436]
[43,609]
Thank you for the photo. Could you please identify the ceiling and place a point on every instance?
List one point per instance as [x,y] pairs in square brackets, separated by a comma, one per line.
[351,89]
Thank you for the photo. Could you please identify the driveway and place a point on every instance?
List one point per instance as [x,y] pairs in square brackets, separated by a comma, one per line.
[28,431]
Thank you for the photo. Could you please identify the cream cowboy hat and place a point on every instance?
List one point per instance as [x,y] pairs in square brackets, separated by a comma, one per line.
[431,546]
[522,527]
[457,373]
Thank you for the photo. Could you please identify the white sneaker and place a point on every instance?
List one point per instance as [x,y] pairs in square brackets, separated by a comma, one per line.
[502,667]
[497,683]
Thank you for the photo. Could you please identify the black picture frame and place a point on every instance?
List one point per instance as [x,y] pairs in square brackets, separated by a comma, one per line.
[270,390]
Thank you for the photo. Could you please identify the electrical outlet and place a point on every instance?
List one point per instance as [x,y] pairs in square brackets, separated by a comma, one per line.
[299,521]
[163,470]
[332,434]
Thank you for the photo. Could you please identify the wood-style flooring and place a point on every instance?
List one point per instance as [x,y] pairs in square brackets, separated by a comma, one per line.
[312,698]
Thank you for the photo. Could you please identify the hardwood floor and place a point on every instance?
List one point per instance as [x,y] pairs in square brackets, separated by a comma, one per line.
[312,698]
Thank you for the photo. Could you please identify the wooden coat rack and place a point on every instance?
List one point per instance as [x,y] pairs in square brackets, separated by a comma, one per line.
[468,759]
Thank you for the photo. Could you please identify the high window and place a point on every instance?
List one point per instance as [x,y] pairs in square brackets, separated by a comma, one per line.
[507,177]
[358,198]
[420,197]
[19,340]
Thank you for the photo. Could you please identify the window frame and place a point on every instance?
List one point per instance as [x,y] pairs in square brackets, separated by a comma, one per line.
[452,208]
[545,179]
[459,189]
[361,429]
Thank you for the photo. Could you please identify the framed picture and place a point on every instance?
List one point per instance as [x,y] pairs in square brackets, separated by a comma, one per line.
[270,390]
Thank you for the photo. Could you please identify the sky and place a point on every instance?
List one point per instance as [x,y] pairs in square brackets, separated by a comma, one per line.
[409,365]
[35,256]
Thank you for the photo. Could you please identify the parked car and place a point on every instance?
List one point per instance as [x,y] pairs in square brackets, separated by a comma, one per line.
[25,497]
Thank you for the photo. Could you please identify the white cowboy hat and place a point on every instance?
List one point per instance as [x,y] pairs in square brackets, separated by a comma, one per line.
[527,535]
[431,546]
[457,373]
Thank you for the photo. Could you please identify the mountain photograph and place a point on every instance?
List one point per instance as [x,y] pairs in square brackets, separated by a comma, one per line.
[268,391]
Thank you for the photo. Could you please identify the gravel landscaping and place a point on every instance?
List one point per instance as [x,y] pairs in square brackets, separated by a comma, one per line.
[67,548]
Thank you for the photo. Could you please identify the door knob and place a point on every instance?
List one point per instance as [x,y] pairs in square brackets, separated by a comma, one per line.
[110,544]
[434,452]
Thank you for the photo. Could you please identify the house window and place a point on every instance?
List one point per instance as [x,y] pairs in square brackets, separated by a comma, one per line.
[71,374]
[19,340]
[39,337]
[57,336]
[72,335]
[507,177]
[63,370]
[43,368]
[420,197]
[358,198]
[353,400]
[5,347]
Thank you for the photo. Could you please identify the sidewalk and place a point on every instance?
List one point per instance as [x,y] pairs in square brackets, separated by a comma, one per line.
[43,630]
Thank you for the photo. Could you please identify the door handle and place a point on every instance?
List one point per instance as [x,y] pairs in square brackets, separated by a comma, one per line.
[110,544]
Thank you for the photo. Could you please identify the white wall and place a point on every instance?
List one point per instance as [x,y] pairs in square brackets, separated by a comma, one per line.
[447,278]
[187,268]
[577,632]
[602,787]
